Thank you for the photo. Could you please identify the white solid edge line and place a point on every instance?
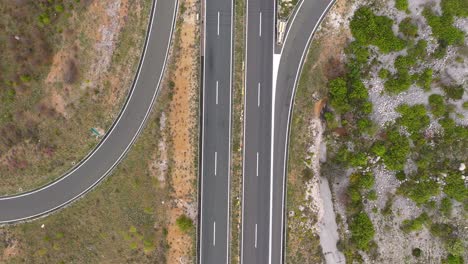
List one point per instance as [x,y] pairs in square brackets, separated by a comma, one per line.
[229,148]
[245,119]
[123,153]
[107,134]
[270,243]
[255,235]
[291,106]
[203,134]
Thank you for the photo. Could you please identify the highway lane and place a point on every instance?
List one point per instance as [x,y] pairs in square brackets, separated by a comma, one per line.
[257,131]
[296,44]
[117,141]
[216,132]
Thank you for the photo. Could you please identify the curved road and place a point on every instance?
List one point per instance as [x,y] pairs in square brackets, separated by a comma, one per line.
[117,141]
[302,27]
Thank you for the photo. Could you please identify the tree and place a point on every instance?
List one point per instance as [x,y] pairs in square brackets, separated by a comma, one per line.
[437,105]
[339,95]
[401,5]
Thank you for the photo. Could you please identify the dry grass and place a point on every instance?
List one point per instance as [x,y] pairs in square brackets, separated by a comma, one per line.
[75,78]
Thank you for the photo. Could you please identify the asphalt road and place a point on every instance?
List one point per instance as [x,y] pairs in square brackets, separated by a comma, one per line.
[216,132]
[257,131]
[296,44]
[117,141]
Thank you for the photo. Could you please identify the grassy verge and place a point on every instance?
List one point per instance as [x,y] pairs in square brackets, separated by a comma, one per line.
[122,220]
[237,130]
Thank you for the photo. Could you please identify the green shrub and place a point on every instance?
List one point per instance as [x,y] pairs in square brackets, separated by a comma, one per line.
[443,28]
[358,160]
[358,52]
[465,105]
[370,29]
[358,91]
[400,175]
[401,5]
[455,187]
[454,92]
[455,7]
[420,192]
[372,195]
[451,259]
[455,247]
[441,230]
[416,252]
[404,63]
[397,150]
[362,231]
[44,19]
[59,8]
[398,83]
[414,118]
[425,79]
[437,105]
[384,73]
[362,180]
[415,224]
[339,95]
[446,207]
[408,28]
[184,223]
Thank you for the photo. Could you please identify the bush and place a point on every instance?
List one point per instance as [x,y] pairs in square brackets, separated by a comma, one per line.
[437,105]
[443,28]
[370,29]
[362,180]
[401,5]
[398,83]
[414,118]
[397,150]
[451,259]
[455,7]
[339,95]
[184,223]
[425,79]
[408,28]
[384,73]
[372,195]
[455,187]
[362,231]
[465,105]
[400,175]
[420,192]
[446,207]
[358,52]
[416,252]
[454,92]
[415,224]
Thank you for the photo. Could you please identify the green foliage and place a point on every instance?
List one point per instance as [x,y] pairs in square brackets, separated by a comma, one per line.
[25,78]
[59,8]
[446,207]
[415,224]
[370,29]
[419,191]
[465,105]
[372,195]
[455,247]
[364,124]
[455,187]
[416,252]
[358,91]
[404,63]
[184,223]
[441,230]
[378,148]
[384,73]
[44,19]
[451,259]
[414,118]
[398,83]
[455,7]
[339,95]
[362,231]
[454,92]
[408,28]
[362,180]
[401,5]
[396,150]
[443,28]
[400,175]
[437,105]
[425,79]
[358,52]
